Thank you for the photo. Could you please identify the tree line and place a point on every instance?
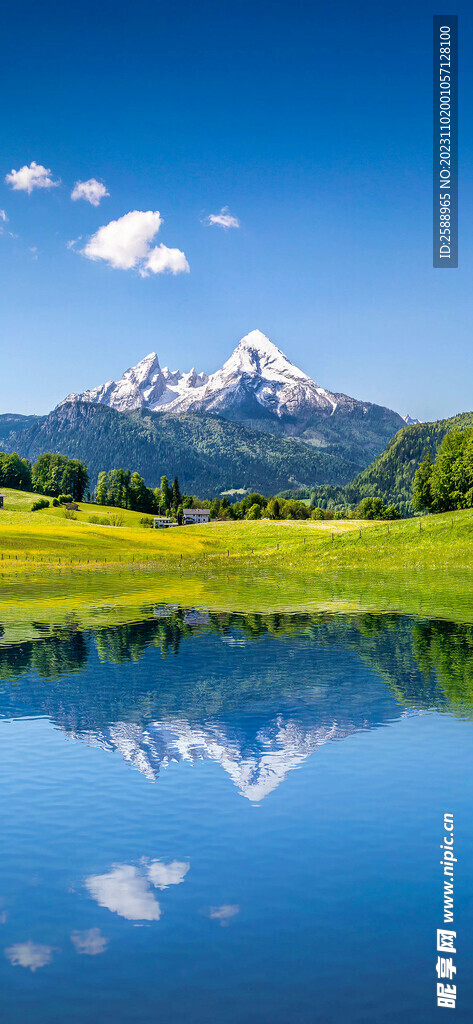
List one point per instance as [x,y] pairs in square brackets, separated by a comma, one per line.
[51,474]
[121,488]
[446,484]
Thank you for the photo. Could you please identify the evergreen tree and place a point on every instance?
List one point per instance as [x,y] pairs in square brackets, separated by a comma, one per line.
[176,494]
[101,490]
[166,494]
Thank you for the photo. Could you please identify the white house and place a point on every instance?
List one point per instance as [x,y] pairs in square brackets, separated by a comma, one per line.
[196,515]
[161,522]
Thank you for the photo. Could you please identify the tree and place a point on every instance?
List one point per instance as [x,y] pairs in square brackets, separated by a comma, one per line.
[448,483]
[273,509]
[141,498]
[374,508]
[254,512]
[116,492]
[452,475]
[101,489]
[176,494]
[55,474]
[15,471]
[46,474]
[166,494]
[75,479]
[421,494]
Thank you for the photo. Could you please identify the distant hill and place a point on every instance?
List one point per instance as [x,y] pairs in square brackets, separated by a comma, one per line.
[391,475]
[208,454]
[11,421]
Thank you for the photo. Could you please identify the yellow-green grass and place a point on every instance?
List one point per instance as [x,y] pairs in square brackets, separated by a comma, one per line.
[22,501]
[53,567]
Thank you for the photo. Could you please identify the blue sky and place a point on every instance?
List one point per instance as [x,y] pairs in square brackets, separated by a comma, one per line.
[311,123]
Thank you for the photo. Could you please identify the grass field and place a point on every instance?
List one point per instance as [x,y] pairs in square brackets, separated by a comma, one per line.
[51,566]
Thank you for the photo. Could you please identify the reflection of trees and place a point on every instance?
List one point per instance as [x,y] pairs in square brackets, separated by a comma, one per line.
[424,664]
[445,650]
[60,655]
[128,641]
[52,658]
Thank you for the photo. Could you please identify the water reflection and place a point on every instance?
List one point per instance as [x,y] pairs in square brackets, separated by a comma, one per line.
[257,694]
[301,766]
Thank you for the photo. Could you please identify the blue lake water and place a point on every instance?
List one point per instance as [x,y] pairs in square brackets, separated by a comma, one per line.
[220,818]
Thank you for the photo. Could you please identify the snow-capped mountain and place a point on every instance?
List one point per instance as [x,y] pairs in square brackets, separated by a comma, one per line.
[409,421]
[145,385]
[258,382]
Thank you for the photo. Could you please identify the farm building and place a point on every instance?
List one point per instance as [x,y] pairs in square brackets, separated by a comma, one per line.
[161,522]
[196,515]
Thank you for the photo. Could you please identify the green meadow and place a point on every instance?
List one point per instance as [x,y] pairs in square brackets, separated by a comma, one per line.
[53,567]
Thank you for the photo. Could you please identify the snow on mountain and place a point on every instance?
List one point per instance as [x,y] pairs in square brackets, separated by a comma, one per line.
[280,747]
[145,385]
[409,421]
[257,380]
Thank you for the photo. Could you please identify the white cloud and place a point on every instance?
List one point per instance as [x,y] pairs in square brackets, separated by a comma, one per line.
[3,220]
[28,178]
[224,219]
[224,913]
[126,243]
[91,943]
[125,892]
[73,242]
[162,259]
[92,191]
[29,954]
[161,875]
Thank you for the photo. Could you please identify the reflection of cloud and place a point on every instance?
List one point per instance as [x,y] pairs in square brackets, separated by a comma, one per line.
[162,875]
[3,917]
[29,954]
[91,942]
[126,892]
[224,913]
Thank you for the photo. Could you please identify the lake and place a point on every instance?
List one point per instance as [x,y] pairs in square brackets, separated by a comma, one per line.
[227,818]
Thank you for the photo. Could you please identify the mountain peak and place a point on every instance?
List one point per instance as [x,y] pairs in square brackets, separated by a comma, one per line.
[258,385]
[145,367]
[256,339]
[255,354]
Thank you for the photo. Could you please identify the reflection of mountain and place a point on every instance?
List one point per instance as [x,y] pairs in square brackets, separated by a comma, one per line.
[278,748]
[256,694]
